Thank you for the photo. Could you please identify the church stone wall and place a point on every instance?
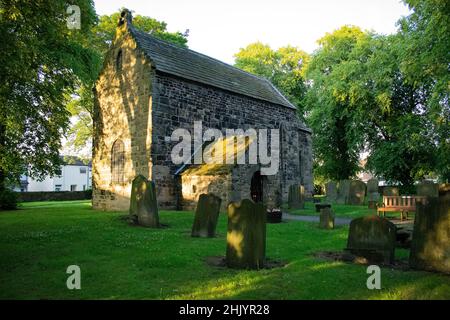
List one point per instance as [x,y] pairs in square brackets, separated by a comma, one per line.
[122,111]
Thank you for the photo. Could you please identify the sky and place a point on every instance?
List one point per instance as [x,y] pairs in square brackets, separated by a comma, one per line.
[220,28]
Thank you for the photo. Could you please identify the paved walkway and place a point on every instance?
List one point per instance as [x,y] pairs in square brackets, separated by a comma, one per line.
[338,221]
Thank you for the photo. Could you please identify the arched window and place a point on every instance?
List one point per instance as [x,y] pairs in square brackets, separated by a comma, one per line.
[119,59]
[118,162]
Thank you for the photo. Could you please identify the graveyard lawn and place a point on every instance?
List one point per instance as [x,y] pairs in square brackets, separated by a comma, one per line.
[118,261]
[340,210]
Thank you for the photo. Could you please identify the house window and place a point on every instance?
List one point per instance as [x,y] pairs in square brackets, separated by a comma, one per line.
[82,170]
[58,187]
[119,59]
[73,187]
[118,162]
[84,187]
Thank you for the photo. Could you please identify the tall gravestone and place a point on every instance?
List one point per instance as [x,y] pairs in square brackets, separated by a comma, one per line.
[430,247]
[296,197]
[206,216]
[343,192]
[246,235]
[391,191]
[331,191]
[357,192]
[143,204]
[326,218]
[373,196]
[428,189]
[372,237]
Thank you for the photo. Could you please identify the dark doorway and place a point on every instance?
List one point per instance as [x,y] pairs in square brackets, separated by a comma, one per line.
[256,187]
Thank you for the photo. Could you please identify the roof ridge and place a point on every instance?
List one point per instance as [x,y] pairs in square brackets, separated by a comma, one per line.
[200,54]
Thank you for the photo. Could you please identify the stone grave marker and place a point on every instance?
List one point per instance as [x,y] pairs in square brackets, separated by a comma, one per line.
[373,196]
[373,238]
[391,191]
[326,219]
[343,192]
[428,189]
[430,247]
[206,216]
[143,204]
[331,191]
[296,197]
[357,192]
[246,235]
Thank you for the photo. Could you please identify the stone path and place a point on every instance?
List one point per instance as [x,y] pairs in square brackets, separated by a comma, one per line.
[338,221]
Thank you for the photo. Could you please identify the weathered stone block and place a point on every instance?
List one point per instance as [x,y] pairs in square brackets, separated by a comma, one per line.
[357,192]
[372,186]
[246,236]
[143,204]
[326,219]
[296,197]
[343,192]
[206,216]
[372,237]
[430,247]
[331,191]
[391,191]
[428,189]
[320,206]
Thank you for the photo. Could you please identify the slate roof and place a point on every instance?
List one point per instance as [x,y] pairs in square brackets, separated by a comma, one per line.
[188,64]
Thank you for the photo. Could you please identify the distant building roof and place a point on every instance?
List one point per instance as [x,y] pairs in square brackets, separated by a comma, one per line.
[188,64]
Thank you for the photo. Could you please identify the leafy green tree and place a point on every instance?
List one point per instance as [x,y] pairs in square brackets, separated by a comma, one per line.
[337,138]
[425,58]
[102,34]
[283,67]
[42,62]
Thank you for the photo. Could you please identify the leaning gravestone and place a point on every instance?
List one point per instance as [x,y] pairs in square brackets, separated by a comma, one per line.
[357,192]
[428,189]
[296,197]
[343,192]
[373,196]
[326,219]
[373,238]
[430,247]
[206,216]
[391,191]
[331,191]
[246,236]
[143,204]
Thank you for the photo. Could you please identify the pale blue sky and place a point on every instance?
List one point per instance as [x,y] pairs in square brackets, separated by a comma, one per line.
[220,28]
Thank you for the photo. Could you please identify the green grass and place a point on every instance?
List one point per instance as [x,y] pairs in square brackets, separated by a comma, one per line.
[340,210]
[118,261]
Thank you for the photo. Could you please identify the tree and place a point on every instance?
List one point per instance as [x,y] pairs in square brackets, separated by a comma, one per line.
[283,67]
[41,63]
[337,138]
[102,34]
[425,58]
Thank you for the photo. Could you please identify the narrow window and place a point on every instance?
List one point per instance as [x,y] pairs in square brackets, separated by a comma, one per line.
[118,162]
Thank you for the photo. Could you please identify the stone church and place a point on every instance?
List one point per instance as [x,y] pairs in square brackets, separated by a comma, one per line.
[148,88]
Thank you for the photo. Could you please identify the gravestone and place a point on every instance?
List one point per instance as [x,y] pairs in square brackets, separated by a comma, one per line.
[343,192]
[326,219]
[206,216]
[331,191]
[296,197]
[246,235]
[391,191]
[373,196]
[143,204]
[373,238]
[430,247]
[357,192]
[428,189]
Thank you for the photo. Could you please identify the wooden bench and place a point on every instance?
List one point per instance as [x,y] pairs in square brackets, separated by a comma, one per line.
[402,204]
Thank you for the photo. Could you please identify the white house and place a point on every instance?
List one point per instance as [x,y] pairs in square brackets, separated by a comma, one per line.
[75,176]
